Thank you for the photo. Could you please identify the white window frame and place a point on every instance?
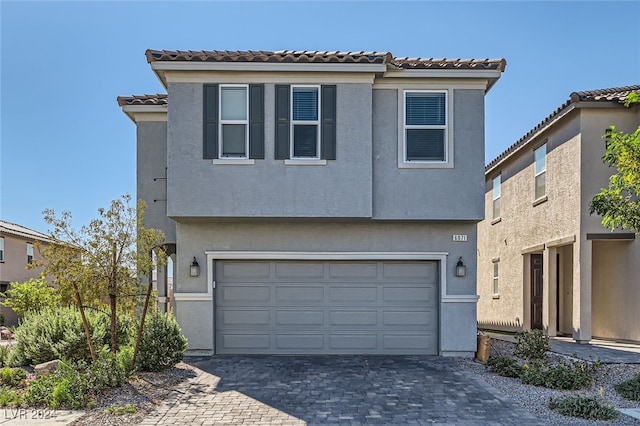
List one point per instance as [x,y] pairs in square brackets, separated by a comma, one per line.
[403,163]
[543,171]
[497,184]
[496,278]
[304,122]
[29,253]
[221,122]
[1,249]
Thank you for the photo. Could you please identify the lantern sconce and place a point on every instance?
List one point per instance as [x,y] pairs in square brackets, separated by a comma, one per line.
[461,269]
[194,271]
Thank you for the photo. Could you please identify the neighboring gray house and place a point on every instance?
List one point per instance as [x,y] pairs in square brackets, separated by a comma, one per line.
[327,198]
[544,261]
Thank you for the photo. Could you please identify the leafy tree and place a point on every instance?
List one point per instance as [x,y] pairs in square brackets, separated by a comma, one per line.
[101,263]
[619,204]
[32,295]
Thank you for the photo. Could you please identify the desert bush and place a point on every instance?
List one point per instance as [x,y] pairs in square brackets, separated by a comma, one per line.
[630,389]
[532,345]
[566,375]
[591,408]
[12,376]
[505,366]
[162,345]
[59,334]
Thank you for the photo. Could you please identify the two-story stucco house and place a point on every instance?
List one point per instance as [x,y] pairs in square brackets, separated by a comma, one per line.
[544,261]
[327,198]
[18,249]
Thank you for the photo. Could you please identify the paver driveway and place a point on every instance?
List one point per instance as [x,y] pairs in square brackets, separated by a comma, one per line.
[334,389]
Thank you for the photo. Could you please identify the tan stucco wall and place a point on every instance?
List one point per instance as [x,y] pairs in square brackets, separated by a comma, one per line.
[598,290]
[522,225]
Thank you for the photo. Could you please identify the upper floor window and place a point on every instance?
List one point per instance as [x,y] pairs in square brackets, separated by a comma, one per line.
[496,274]
[1,249]
[233,122]
[305,123]
[540,156]
[497,183]
[29,253]
[425,126]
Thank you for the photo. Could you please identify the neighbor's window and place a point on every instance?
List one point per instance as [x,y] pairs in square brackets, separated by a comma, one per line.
[234,121]
[29,253]
[496,273]
[497,182]
[540,155]
[305,122]
[425,126]
[1,249]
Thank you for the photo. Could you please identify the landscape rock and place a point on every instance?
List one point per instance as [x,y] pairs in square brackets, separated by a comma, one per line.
[46,368]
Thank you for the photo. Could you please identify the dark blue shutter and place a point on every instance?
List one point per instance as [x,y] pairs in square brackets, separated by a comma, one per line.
[328,123]
[256,121]
[210,120]
[282,122]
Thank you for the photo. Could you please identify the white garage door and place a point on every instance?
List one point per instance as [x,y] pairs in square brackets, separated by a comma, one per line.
[316,307]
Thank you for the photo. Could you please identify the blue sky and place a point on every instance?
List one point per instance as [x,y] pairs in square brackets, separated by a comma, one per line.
[65,144]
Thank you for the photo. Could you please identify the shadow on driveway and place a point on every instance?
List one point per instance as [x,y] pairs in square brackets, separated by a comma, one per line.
[363,389]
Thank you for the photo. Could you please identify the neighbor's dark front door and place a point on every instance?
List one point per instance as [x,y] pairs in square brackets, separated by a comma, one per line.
[536,291]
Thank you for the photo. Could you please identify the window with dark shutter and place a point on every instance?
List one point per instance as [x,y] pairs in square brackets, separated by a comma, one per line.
[306,122]
[233,121]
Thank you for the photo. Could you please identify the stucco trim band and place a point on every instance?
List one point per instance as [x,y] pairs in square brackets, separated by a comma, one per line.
[533,249]
[562,241]
[621,236]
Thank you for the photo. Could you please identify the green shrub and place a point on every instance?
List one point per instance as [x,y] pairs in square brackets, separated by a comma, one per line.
[4,355]
[566,375]
[591,408]
[505,366]
[12,376]
[30,296]
[532,345]
[15,357]
[162,345]
[106,372]
[10,397]
[59,334]
[630,389]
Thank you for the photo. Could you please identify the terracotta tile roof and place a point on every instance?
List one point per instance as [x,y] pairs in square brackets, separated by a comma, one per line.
[313,56]
[157,99]
[614,94]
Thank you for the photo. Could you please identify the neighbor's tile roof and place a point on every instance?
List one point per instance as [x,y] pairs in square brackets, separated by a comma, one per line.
[613,94]
[157,99]
[313,56]
[21,231]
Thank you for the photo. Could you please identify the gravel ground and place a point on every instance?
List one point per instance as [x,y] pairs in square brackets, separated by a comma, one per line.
[536,399]
[148,389]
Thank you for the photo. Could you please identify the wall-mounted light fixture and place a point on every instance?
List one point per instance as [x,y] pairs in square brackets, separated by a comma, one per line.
[194,271]
[461,270]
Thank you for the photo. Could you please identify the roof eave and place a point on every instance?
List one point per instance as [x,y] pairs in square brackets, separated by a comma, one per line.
[138,113]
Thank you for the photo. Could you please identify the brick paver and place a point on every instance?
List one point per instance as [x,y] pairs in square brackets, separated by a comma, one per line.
[349,390]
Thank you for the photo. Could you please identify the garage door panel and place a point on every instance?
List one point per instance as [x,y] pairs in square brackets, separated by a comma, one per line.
[299,318]
[398,342]
[353,318]
[245,294]
[231,317]
[410,294]
[245,341]
[351,342]
[353,270]
[425,319]
[300,341]
[234,270]
[349,294]
[422,271]
[299,294]
[299,270]
[327,307]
